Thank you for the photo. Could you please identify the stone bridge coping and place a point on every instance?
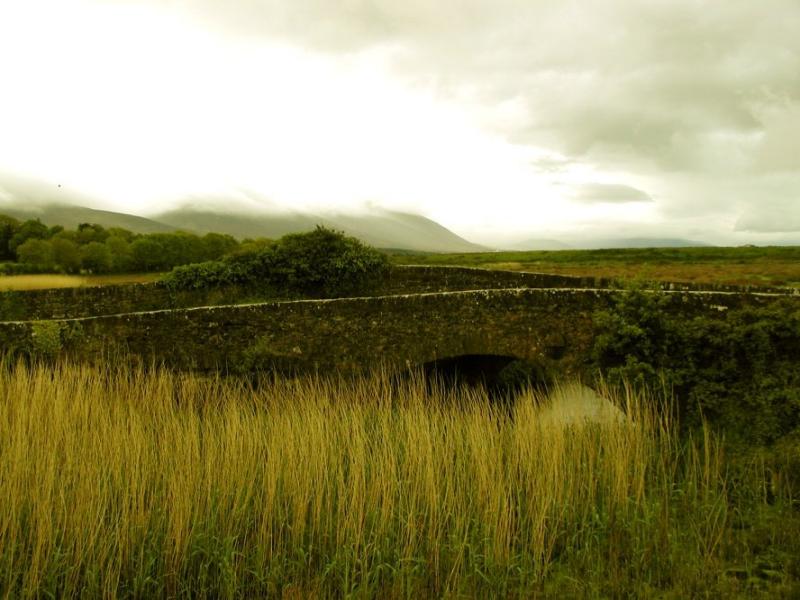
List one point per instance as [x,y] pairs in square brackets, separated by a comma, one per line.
[795,294]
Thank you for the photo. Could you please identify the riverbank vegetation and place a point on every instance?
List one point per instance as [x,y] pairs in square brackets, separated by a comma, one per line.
[737,369]
[122,482]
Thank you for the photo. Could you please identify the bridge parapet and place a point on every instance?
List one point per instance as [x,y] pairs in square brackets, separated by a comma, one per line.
[552,328]
[117,299]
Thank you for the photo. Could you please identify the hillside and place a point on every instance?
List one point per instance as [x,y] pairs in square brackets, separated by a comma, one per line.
[71,216]
[380,228]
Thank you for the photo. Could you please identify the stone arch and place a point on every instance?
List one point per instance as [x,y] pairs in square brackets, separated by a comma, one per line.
[502,375]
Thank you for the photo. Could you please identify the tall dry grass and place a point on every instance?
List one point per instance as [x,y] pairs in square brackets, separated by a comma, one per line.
[126,483]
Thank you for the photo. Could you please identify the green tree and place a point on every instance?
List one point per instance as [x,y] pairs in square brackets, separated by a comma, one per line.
[96,257]
[120,249]
[32,229]
[146,254]
[91,232]
[8,227]
[66,254]
[67,234]
[119,232]
[36,253]
[216,245]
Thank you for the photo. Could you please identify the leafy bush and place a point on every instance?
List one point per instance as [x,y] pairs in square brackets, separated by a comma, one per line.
[320,263]
[323,262]
[201,276]
[738,370]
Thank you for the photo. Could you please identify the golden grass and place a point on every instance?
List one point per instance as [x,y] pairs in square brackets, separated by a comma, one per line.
[119,483]
[40,282]
[758,273]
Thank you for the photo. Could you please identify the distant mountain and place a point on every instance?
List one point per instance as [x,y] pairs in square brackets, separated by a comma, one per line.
[72,216]
[379,228]
[243,213]
[538,244]
[26,198]
[633,242]
[392,229]
[238,225]
[570,242]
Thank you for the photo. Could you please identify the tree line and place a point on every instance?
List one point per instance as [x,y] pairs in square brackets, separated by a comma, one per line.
[322,263]
[33,247]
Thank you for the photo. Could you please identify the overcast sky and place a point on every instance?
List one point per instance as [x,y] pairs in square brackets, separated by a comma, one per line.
[498,118]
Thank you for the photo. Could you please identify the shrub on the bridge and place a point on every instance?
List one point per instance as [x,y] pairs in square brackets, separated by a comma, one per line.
[199,276]
[320,263]
[323,262]
[738,370]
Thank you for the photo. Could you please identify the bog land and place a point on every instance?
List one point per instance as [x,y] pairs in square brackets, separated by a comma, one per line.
[757,266]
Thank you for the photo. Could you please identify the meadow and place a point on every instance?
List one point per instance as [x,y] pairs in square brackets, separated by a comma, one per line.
[123,482]
[53,280]
[765,266]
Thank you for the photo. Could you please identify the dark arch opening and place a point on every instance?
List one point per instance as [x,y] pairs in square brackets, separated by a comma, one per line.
[503,377]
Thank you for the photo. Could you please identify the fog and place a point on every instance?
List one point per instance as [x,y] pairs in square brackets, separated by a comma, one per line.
[501,119]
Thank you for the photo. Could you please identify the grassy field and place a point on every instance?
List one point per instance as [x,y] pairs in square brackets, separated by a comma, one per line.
[772,266]
[40,282]
[125,483]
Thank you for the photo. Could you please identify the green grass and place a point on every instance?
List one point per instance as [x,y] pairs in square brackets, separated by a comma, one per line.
[131,483]
[776,265]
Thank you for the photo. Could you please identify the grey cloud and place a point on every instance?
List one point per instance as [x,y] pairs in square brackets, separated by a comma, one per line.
[768,223]
[609,192]
[675,83]
[693,95]
[772,217]
[551,165]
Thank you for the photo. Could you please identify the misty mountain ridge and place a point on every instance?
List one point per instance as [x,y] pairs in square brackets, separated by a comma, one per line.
[377,227]
[570,242]
[242,213]
[640,242]
[70,217]
[538,244]
[245,213]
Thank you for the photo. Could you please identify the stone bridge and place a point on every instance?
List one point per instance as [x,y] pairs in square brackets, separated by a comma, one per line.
[551,328]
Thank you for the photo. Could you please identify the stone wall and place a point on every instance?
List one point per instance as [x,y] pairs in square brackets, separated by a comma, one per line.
[423,279]
[59,303]
[549,327]
[119,299]
[127,298]
[418,279]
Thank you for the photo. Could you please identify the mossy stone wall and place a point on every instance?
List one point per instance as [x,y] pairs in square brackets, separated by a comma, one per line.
[549,327]
[118,299]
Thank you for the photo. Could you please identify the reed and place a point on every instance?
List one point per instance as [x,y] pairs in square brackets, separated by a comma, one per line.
[132,483]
